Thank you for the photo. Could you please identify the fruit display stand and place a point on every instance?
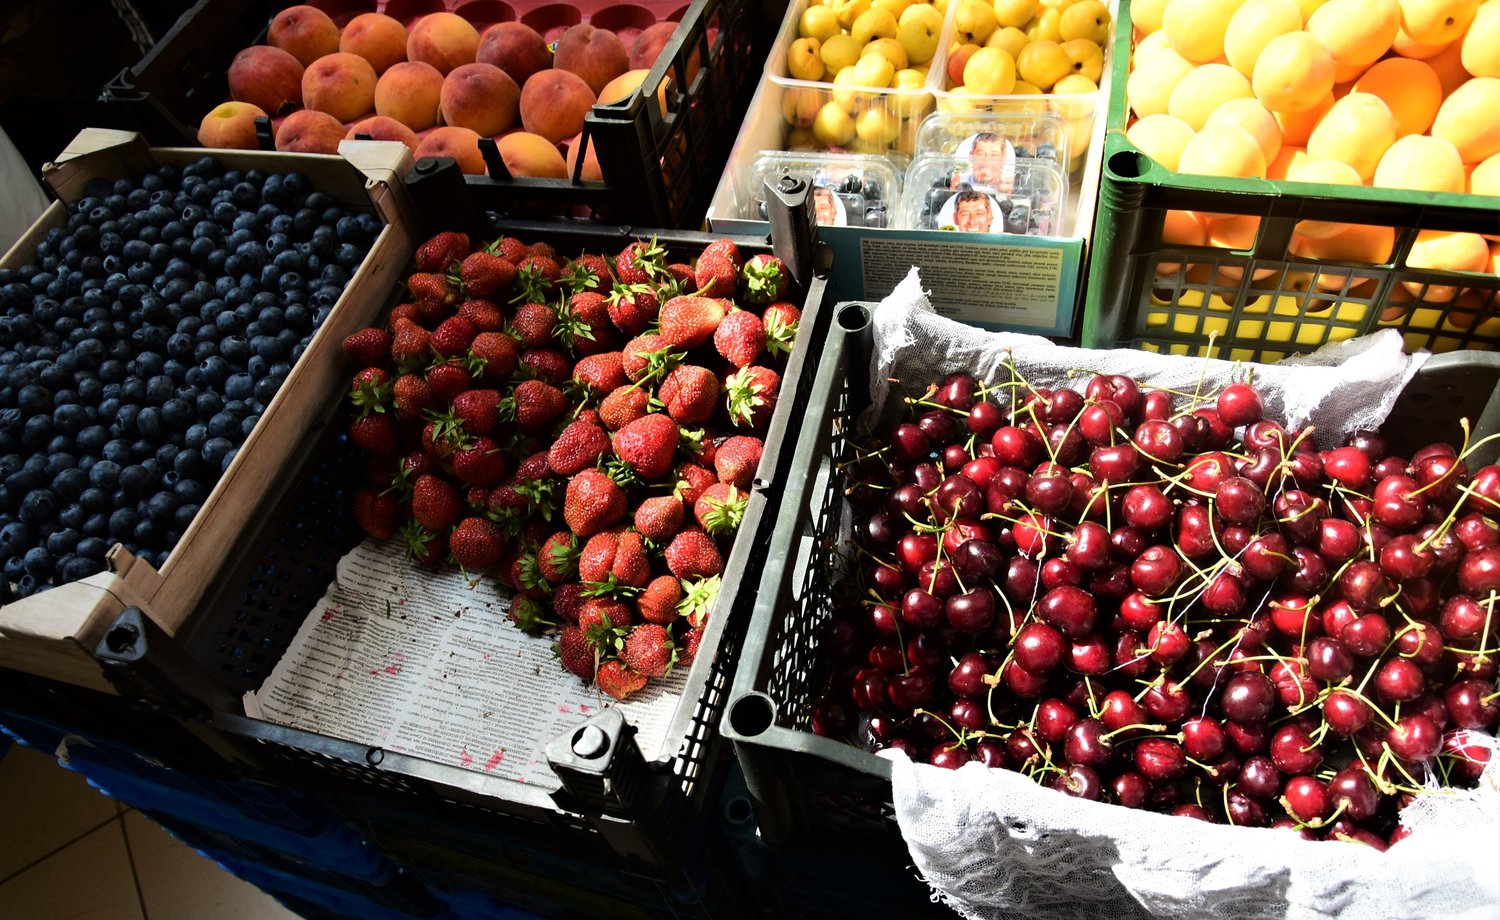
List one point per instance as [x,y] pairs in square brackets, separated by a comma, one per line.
[993,280]
[658,150]
[1261,301]
[53,634]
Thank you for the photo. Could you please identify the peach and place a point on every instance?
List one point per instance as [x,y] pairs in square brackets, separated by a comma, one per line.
[596,55]
[444,40]
[649,45]
[531,156]
[410,92]
[341,84]
[306,32]
[515,48]
[481,97]
[381,128]
[231,125]
[554,103]
[377,38]
[309,131]
[625,85]
[459,143]
[267,77]
[591,169]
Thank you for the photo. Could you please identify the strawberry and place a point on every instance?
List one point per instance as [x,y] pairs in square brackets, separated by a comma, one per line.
[764,278]
[558,557]
[431,292]
[589,272]
[536,276]
[640,263]
[423,546]
[698,600]
[549,364]
[510,249]
[692,481]
[689,321]
[534,324]
[693,554]
[478,410]
[485,274]
[375,434]
[691,640]
[414,464]
[632,307]
[537,404]
[737,459]
[631,566]
[740,338]
[618,680]
[593,502]
[370,391]
[368,346]
[601,617]
[434,502]
[750,394]
[602,372]
[726,249]
[476,497]
[441,251]
[497,353]
[406,311]
[781,320]
[622,406]
[683,276]
[543,250]
[715,276]
[525,575]
[529,614]
[411,396]
[381,471]
[598,555]
[659,518]
[647,357]
[648,445]
[648,650]
[658,602]
[477,544]
[613,558]
[480,463]
[575,654]
[485,316]
[720,509]
[452,337]
[567,600]
[529,494]
[411,345]
[441,437]
[377,513]
[447,380]
[690,394]
[578,447]
[583,324]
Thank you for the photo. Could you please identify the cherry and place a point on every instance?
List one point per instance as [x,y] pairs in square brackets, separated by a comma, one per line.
[906,500]
[1266,433]
[869,689]
[985,418]
[1264,467]
[1219,434]
[1346,713]
[830,718]
[1293,687]
[927,650]
[1370,442]
[910,444]
[1292,615]
[1090,499]
[941,427]
[1364,585]
[967,676]
[1129,659]
[1022,578]
[1348,466]
[1021,748]
[978,561]
[1120,709]
[1244,811]
[1239,404]
[1139,612]
[1298,515]
[1191,810]
[1158,441]
[1479,573]
[939,578]
[1195,532]
[1351,787]
[1118,387]
[1337,615]
[955,457]
[1432,706]
[1024,683]
[1079,781]
[1054,718]
[1307,799]
[1260,778]
[956,391]
[990,752]
[1466,701]
[972,611]
[1126,543]
[1050,492]
[1206,472]
[886,619]
[1225,595]
[1419,598]
[1071,610]
[1266,557]
[963,530]
[1465,755]
[1235,538]
[1167,702]
[1064,406]
[958,496]
[912,690]
[1056,572]
[1146,507]
[1203,738]
[1306,468]
[968,715]
[1486,486]
[887,657]
[921,610]
[1016,447]
[1090,655]
[1039,647]
[1399,681]
[1130,789]
[914,550]
[1441,476]
[949,756]
[1098,422]
[1475,531]
[882,727]
[1088,546]
[1415,738]
[1338,540]
[1329,659]
[1397,505]
[1248,697]
[1367,636]
[1294,751]
[1114,463]
[1168,643]
[1086,743]
[1194,430]
[1031,534]
[1239,500]
[1156,571]
[1309,572]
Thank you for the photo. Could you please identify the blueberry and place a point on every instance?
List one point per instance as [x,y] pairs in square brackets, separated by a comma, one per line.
[118,451]
[63,542]
[135,480]
[69,484]
[159,389]
[106,473]
[190,491]
[37,432]
[239,386]
[14,567]
[74,568]
[94,500]
[15,538]
[216,449]
[92,547]
[150,423]
[70,419]
[39,507]
[161,507]
[146,533]
[39,563]
[122,523]
[97,524]
[266,387]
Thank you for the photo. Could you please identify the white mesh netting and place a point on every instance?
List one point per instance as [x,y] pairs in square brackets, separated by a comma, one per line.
[994,844]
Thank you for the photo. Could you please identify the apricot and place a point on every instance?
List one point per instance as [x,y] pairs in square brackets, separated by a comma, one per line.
[1421,163]
[1161,137]
[444,40]
[1445,250]
[1411,90]
[1448,64]
[1357,130]
[309,131]
[1253,26]
[515,48]
[1149,87]
[377,38]
[481,97]
[231,125]
[1323,172]
[459,143]
[554,103]
[1369,244]
[1203,90]
[1287,160]
[1297,127]
[1256,120]
[1467,119]
[410,92]
[1223,150]
[596,55]
[267,77]
[531,156]
[1433,22]
[1293,73]
[1197,27]
[381,128]
[1484,178]
[305,32]
[1356,32]
[1480,47]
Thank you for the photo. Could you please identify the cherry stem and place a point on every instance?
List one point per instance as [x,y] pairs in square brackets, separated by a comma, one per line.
[1145,726]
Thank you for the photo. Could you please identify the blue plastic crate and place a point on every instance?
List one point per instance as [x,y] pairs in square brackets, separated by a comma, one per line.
[365,902]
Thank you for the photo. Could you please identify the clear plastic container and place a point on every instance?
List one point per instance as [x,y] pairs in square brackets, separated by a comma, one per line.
[1024,196]
[1030,135]
[849,189]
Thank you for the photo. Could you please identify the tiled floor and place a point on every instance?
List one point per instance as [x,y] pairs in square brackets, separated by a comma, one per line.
[69,853]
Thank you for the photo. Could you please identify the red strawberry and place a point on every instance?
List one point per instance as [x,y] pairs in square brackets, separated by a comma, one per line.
[441,251]
[631,565]
[690,394]
[623,406]
[431,292]
[530,614]
[543,250]
[647,357]
[601,373]
[579,447]
[434,502]
[480,463]
[525,575]
[370,391]
[692,481]
[765,279]
[549,364]
[530,493]
[725,248]
[534,324]
[740,338]
[485,316]
[498,352]
[406,311]
[414,464]
[441,437]
[648,650]
[715,276]
[567,600]
[574,652]
[537,404]
[693,554]
[375,434]
[368,346]
[691,640]
[448,379]
[485,274]
[698,601]
[592,503]
[452,337]
[648,445]
[411,345]
[588,273]
[412,396]
[750,394]
[737,459]
[689,321]
[477,544]
[536,276]
[632,308]
[640,263]
[478,410]
[598,555]
[558,557]
[658,602]
[601,615]
[614,557]
[659,518]
[377,513]
[618,680]
[511,249]
[682,275]
[781,320]
[583,324]
[720,509]
[423,546]
[476,496]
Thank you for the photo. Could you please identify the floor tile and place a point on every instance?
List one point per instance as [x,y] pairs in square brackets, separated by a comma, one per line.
[177,883]
[89,879]
[45,807]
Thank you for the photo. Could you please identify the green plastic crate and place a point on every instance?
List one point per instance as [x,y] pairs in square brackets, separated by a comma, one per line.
[1186,299]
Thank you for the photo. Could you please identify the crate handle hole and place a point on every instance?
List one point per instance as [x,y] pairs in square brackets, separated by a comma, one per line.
[752,714]
[853,317]
[1128,164]
[738,810]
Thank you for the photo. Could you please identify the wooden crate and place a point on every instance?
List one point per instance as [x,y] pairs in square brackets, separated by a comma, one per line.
[53,633]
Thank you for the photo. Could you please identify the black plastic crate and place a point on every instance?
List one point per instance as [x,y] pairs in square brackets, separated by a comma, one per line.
[820,795]
[660,164]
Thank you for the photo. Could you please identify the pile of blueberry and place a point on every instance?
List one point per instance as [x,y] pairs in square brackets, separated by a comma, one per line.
[140,347]
[863,199]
